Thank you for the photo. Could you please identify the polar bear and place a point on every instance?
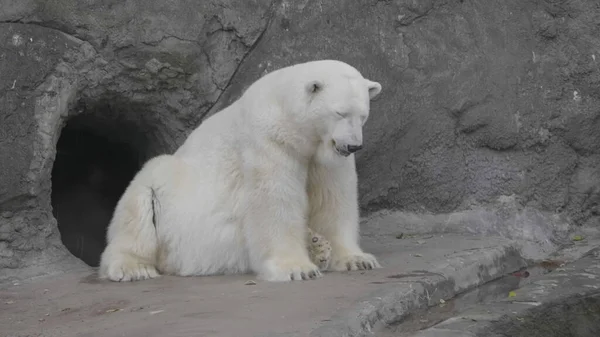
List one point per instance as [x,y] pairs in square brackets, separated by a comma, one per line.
[243,190]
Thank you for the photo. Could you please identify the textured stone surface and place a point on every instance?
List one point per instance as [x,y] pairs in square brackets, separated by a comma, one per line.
[464,113]
[146,80]
[481,101]
[30,99]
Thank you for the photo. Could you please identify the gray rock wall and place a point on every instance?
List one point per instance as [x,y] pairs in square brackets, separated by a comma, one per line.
[482,100]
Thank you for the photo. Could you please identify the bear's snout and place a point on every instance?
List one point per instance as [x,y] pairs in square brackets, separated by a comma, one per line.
[347,150]
[354,148]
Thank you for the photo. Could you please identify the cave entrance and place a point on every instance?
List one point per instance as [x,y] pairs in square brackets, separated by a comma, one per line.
[95,161]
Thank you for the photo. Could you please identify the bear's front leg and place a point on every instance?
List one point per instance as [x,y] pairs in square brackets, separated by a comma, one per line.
[275,223]
[333,202]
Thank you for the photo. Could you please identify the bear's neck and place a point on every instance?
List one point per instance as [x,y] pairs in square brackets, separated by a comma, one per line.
[295,143]
[282,130]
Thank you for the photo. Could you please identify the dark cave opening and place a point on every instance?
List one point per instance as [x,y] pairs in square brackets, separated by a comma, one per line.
[95,161]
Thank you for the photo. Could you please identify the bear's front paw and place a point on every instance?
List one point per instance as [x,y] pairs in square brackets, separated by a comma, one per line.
[319,250]
[358,261]
[278,270]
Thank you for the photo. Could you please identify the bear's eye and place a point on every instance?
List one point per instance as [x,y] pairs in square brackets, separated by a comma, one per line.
[315,87]
[340,114]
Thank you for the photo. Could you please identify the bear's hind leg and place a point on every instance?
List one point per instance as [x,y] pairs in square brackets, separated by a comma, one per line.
[132,241]
[131,250]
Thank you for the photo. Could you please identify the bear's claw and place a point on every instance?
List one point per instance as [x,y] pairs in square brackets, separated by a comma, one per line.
[282,270]
[313,274]
[362,261]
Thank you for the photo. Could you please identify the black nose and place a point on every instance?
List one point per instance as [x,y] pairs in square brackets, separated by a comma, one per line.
[354,148]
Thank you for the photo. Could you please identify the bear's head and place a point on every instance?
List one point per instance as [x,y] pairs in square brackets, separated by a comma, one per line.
[318,107]
[337,104]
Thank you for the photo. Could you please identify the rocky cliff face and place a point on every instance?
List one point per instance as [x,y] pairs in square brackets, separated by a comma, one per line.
[483,102]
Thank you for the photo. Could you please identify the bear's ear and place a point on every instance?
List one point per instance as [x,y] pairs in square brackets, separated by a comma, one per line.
[314,86]
[374,89]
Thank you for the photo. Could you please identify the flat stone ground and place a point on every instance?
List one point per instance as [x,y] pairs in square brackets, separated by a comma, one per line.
[77,304]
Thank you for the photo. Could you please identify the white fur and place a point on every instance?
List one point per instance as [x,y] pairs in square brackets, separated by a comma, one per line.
[238,195]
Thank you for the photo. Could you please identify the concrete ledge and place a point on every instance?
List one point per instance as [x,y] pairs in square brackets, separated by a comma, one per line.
[512,315]
[468,269]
